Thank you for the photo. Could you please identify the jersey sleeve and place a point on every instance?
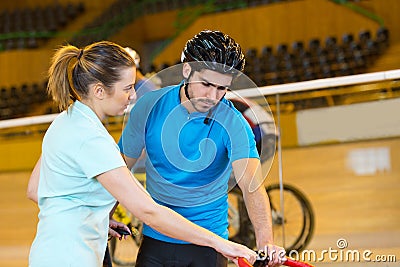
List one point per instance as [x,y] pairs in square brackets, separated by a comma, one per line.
[99,154]
[132,140]
[241,142]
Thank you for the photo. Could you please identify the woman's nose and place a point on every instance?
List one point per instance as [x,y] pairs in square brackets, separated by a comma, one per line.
[132,95]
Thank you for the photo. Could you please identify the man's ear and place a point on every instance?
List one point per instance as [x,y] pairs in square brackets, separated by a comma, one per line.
[99,91]
[186,70]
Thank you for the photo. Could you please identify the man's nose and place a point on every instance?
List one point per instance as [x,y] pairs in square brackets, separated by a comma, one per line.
[212,93]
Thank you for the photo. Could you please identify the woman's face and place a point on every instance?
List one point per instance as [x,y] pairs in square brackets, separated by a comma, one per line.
[122,94]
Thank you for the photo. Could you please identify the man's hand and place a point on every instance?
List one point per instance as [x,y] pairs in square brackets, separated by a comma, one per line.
[275,254]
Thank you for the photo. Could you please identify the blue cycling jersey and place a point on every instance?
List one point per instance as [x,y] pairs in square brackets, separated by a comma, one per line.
[189,160]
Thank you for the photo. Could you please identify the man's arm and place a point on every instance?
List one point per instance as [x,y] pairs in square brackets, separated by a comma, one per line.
[249,178]
[130,162]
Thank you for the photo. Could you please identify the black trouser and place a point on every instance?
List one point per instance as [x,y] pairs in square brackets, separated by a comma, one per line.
[155,253]
[107,262]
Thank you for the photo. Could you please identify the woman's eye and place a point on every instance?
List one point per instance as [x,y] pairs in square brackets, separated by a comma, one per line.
[129,88]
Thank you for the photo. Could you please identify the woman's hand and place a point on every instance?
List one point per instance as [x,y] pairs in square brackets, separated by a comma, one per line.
[233,251]
[114,224]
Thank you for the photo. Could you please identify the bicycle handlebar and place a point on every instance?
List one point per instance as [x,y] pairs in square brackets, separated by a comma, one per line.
[288,262]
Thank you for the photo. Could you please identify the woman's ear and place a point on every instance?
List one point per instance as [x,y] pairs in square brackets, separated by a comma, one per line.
[98,91]
[186,70]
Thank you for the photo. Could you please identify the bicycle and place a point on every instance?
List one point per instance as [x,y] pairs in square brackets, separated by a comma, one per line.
[293,226]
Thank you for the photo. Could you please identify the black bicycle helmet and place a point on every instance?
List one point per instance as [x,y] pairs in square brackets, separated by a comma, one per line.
[215,50]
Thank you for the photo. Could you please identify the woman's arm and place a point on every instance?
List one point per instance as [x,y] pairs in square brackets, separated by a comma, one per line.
[33,183]
[131,194]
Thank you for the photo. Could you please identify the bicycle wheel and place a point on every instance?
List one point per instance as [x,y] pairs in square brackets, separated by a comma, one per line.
[293,228]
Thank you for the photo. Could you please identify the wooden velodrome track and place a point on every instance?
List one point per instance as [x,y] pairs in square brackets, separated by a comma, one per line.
[365,210]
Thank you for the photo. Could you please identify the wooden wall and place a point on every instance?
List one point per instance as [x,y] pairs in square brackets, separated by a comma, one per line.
[284,22]
[18,67]
[10,5]
[251,27]
[388,11]
[269,24]
[30,66]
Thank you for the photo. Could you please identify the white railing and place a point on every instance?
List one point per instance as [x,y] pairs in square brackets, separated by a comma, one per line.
[251,92]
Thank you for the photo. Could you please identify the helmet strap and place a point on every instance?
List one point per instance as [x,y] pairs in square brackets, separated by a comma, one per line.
[186,85]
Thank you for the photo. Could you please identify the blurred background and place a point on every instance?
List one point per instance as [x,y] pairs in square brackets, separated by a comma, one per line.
[340,143]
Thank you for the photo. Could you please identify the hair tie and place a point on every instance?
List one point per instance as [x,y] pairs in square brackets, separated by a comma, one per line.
[80,54]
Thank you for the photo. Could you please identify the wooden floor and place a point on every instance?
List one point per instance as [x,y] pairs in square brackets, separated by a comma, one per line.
[18,220]
[362,209]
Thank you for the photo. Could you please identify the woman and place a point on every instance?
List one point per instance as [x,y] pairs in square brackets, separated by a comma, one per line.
[81,173]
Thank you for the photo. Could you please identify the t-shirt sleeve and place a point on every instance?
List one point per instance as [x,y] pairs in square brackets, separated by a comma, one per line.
[241,142]
[98,155]
[131,142]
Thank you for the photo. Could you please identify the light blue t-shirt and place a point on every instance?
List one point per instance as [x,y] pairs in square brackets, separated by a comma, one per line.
[74,206]
[189,160]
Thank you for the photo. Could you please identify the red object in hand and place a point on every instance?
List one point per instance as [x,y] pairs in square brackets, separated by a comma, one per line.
[293,263]
[243,262]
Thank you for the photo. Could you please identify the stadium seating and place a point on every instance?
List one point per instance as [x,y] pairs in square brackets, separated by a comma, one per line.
[27,28]
[22,100]
[320,59]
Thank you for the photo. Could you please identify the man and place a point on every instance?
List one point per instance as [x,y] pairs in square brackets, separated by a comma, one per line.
[194,138]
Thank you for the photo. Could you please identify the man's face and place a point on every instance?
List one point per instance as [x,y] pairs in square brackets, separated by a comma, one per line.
[207,87]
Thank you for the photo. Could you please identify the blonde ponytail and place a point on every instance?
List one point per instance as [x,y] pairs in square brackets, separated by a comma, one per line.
[60,85]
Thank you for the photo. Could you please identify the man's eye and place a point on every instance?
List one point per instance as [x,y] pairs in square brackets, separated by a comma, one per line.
[206,84]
